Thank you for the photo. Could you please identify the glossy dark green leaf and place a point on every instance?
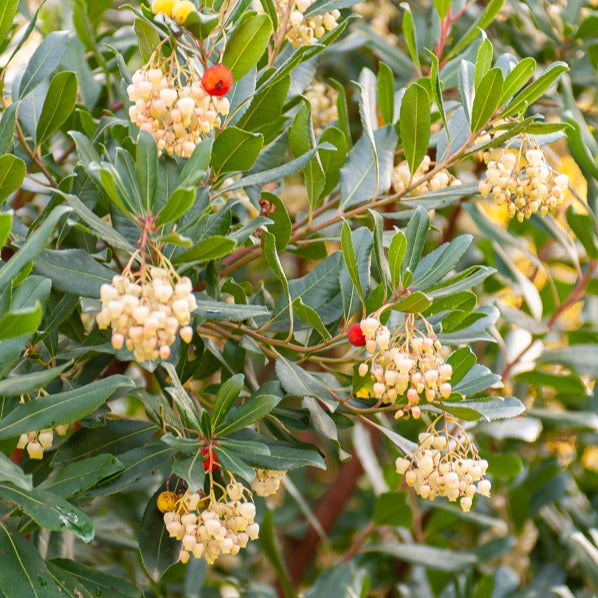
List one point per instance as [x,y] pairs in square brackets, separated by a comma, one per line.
[253,410]
[11,472]
[414,303]
[58,105]
[8,10]
[414,123]
[235,149]
[212,248]
[7,126]
[487,98]
[146,165]
[12,173]
[226,397]
[247,44]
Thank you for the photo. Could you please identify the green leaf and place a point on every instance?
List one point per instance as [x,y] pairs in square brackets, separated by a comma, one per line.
[386,93]
[8,10]
[158,550]
[235,149]
[7,126]
[219,311]
[536,89]
[416,232]
[410,36]
[461,360]
[73,271]
[183,402]
[212,248]
[24,321]
[414,123]
[255,409]
[414,303]
[396,255]
[197,166]
[44,60]
[498,408]
[516,79]
[310,316]
[234,463]
[97,583]
[583,227]
[177,205]
[277,456]
[247,44]
[49,510]
[5,227]
[486,99]
[82,474]
[22,570]
[32,246]
[350,258]
[271,255]
[62,408]
[391,508]
[430,557]
[273,553]
[148,38]
[324,424]
[59,103]
[226,397]
[483,61]
[191,469]
[282,226]
[486,17]
[12,174]
[297,382]
[10,472]
[146,166]
[582,358]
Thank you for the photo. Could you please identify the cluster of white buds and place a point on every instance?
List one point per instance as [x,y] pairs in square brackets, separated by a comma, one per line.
[445,465]
[174,108]
[402,179]
[302,30]
[146,310]
[267,481]
[39,441]
[407,364]
[523,180]
[323,105]
[207,527]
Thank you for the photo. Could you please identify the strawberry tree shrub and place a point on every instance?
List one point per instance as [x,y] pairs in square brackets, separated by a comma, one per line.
[298,297]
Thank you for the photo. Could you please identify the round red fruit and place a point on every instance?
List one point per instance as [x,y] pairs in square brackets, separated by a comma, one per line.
[210,461]
[356,336]
[217,80]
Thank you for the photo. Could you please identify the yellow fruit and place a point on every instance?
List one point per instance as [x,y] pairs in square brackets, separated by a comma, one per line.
[182,10]
[163,6]
[166,501]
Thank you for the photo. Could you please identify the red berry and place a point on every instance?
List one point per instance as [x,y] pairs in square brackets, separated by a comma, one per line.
[217,80]
[210,462]
[356,336]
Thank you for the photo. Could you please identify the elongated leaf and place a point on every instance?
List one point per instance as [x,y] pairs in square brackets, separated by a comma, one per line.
[414,122]
[12,173]
[73,271]
[49,510]
[44,60]
[324,424]
[146,165]
[396,255]
[10,472]
[517,78]
[219,310]
[499,408]
[20,322]
[58,105]
[247,44]
[428,556]
[22,570]
[32,246]
[271,255]
[414,303]
[235,149]
[483,61]
[253,410]
[226,397]
[191,469]
[486,99]
[351,259]
[62,408]
[212,248]
[416,232]
[310,316]
[8,10]
[409,33]
[386,93]
[7,126]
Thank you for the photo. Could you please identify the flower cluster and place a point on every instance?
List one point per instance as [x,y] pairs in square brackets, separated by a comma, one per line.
[523,180]
[267,481]
[174,107]
[302,30]
[146,310]
[445,465]
[323,105]
[409,364]
[38,441]
[402,179]
[208,527]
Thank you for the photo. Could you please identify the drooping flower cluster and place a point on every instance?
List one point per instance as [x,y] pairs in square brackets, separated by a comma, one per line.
[267,481]
[408,364]
[323,105]
[302,30]
[445,464]
[38,441]
[523,180]
[146,310]
[208,527]
[402,179]
[174,107]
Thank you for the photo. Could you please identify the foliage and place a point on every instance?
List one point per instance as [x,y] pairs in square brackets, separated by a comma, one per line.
[361,174]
